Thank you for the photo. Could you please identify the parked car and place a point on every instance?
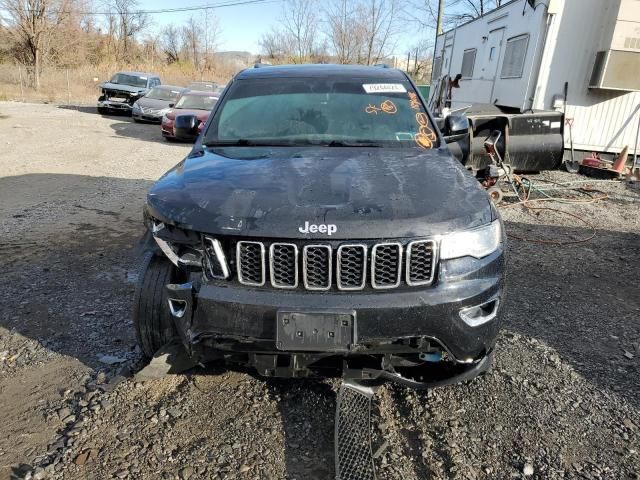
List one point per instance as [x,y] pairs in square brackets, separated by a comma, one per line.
[203,86]
[213,87]
[155,103]
[124,89]
[197,104]
[320,226]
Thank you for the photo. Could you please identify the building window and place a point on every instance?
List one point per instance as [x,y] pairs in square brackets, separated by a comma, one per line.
[514,56]
[492,53]
[437,65]
[468,61]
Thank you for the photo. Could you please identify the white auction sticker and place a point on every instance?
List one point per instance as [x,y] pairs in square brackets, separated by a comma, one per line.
[384,88]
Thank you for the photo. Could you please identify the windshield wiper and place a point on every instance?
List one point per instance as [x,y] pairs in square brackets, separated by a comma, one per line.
[354,143]
[245,142]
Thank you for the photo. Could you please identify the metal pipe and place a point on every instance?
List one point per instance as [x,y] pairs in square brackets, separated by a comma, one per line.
[635,152]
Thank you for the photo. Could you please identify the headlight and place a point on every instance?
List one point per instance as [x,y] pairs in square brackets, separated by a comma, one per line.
[164,118]
[181,247]
[477,243]
[136,107]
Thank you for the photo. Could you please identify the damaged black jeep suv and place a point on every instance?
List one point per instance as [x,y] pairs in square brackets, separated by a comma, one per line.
[320,226]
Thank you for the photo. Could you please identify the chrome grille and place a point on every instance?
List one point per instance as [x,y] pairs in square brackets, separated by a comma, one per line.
[386,265]
[250,259]
[317,264]
[352,267]
[420,260]
[283,265]
[357,266]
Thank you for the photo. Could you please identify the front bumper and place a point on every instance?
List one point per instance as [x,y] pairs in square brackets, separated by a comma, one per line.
[240,319]
[146,117]
[121,106]
[167,130]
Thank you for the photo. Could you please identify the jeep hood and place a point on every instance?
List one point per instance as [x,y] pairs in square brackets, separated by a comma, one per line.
[122,87]
[365,193]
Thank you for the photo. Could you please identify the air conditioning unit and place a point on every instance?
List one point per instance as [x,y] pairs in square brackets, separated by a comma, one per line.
[616,70]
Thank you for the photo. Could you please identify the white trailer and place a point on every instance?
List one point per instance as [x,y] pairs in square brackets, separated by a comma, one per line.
[520,56]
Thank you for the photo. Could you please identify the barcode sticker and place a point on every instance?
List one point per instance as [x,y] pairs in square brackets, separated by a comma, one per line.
[384,88]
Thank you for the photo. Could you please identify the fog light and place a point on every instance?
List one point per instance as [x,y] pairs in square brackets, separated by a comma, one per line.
[480,314]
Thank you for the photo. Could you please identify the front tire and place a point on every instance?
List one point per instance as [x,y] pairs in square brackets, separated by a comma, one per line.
[151,316]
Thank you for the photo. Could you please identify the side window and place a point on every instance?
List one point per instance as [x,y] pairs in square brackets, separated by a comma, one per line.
[437,66]
[514,56]
[468,62]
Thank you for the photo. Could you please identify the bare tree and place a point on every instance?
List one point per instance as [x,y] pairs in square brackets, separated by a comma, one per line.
[191,32]
[275,44]
[32,24]
[420,61]
[170,40]
[379,26]
[210,35]
[344,30]
[300,22]
[131,22]
[424,12]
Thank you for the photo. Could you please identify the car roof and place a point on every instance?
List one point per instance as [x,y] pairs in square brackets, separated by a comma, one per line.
[200,93]
[140,74]
[170,87]
[322,70]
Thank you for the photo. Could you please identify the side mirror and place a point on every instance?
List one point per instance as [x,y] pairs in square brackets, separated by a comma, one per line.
[456,128]
[171,105]
[185,127]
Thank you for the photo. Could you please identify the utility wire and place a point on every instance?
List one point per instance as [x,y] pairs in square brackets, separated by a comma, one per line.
[209,6]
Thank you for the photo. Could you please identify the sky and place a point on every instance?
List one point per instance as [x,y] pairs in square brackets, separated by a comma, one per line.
[241,25]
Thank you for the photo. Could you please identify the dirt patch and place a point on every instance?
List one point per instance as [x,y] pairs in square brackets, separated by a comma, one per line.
[562,400]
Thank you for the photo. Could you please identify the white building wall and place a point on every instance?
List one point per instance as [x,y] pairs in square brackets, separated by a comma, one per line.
[571,32]
[604,120]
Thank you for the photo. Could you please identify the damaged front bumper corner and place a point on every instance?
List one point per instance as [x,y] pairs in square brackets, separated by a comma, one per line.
[452,326]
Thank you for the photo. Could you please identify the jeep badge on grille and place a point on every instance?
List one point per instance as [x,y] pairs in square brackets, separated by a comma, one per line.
[328,228]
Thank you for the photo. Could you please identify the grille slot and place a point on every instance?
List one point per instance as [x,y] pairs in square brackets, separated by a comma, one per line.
[352,267]
[386,265]
[420,261]
[283,265]
[317,263]
[251,267]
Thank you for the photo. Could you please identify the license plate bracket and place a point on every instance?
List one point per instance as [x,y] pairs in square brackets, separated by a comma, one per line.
[326,331]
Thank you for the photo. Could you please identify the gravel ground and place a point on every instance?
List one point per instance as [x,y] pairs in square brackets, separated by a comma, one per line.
[562,401]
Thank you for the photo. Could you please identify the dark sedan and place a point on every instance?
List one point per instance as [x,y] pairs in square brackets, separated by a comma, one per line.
[157,102]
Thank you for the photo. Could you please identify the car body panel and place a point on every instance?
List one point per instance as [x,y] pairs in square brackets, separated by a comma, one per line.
[366,193]
[362,195]
[153,109]
[121,97]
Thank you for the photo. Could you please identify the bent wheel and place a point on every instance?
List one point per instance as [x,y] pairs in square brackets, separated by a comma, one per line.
[151,316]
